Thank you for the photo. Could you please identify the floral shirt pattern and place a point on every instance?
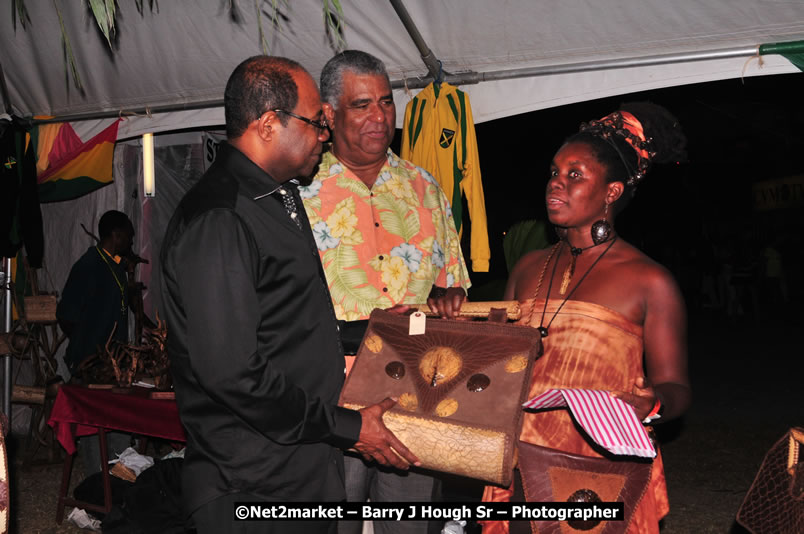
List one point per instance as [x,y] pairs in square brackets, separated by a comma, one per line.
[386,245]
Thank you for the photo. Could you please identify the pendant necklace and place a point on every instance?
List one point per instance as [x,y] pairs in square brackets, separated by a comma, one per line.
[544,329]
[570,270]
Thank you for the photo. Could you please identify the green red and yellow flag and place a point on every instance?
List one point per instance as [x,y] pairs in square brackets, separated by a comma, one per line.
[68,167]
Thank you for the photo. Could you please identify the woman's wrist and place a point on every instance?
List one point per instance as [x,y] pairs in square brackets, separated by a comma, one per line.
[655,412]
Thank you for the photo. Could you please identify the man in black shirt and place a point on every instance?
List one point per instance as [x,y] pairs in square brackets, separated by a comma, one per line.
[254,346]
[95,298]
[94,306]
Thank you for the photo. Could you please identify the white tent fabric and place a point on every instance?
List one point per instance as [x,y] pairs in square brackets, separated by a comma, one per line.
[183,54]
[179,164]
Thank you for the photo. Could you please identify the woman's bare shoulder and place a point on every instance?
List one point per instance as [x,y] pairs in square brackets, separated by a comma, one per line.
[646,271]
[534,258]
[524,270]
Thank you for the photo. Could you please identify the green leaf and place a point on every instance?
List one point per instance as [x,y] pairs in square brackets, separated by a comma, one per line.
[18,9]
[426,244]
[425,270]
[420,290]
[313,203]
[396,217]
[348,282]
[431,199]
[104,11]
[347,203]
[333,21]
[376,263]
[110,12]
[69,58]
[358,188]
[263,41]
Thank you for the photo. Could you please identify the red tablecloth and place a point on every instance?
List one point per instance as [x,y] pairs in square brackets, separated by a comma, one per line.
[80,411]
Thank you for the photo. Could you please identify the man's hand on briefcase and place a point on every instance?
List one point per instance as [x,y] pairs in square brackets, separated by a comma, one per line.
[378,443]
[446,302]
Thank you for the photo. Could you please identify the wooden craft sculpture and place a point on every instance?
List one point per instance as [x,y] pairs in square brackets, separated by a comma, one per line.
[123,364]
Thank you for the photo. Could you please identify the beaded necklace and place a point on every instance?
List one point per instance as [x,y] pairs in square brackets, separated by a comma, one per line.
[544,330]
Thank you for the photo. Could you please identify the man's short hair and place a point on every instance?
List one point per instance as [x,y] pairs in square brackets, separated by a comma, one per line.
[355,61]
[259,84]
[113,220]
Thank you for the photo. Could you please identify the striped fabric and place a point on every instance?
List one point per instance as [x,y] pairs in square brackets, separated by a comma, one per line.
[439,136]
[609,421]
[68,167]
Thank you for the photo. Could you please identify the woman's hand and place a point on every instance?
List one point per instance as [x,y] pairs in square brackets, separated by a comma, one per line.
[642,397]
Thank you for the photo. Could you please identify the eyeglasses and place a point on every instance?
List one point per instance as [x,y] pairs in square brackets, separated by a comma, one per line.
[321,125]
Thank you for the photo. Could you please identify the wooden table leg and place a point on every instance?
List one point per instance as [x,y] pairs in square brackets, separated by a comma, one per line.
[107,483]
[65,486]
[67,469]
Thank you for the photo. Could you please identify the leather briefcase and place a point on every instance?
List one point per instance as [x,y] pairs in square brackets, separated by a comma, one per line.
[550,475]
[774,503]
[460,386]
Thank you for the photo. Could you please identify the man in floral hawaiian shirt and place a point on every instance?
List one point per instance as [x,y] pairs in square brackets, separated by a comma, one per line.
[385,234]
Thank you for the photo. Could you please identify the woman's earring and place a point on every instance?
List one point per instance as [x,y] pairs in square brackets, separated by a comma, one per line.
[601,230]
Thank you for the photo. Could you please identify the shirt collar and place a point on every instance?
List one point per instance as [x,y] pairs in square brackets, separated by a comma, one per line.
[255,183]
[329,159]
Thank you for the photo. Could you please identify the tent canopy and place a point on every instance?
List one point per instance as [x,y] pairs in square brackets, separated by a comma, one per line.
[181,55]
[174,62]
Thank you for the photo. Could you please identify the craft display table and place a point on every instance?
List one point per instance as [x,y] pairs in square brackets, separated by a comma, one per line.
[81,411]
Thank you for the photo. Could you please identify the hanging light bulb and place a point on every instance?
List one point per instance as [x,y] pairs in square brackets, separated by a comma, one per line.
[149,186]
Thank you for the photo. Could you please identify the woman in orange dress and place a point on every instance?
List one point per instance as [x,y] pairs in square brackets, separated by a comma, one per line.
[599,303]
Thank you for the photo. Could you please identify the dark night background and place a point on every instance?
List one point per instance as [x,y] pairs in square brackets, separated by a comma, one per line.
[697,218]
[692,217]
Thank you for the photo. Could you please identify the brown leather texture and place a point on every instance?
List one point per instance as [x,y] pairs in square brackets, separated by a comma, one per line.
[775,501]
[460,387]
[452,448]
[550,475]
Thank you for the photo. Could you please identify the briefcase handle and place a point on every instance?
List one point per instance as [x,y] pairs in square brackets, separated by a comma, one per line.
[480,309]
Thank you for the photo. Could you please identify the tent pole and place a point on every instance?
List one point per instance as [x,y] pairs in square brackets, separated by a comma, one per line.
[464,78]
[148,110]
[6,284]
[430,60]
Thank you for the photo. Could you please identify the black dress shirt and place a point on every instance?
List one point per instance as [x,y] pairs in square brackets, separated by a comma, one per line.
[94,300]
[254,346]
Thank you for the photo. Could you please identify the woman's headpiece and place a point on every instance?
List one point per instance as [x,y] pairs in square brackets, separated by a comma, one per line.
[625,125]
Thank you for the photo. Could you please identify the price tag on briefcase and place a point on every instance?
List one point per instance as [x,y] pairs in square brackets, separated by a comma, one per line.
[460,386]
